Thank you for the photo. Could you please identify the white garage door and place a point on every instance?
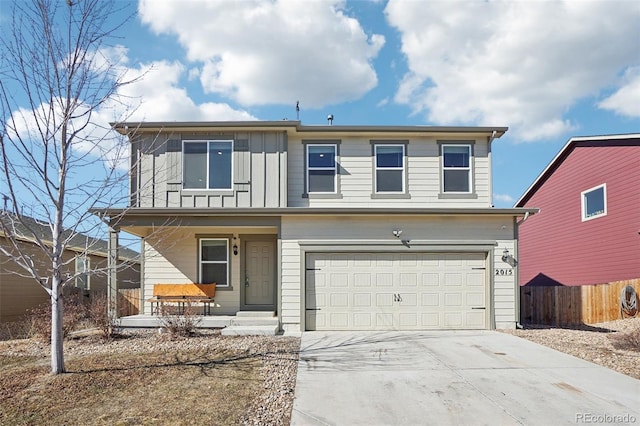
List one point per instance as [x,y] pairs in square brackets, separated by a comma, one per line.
[395,291]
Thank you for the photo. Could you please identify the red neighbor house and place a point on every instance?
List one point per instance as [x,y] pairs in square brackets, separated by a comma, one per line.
[587,230]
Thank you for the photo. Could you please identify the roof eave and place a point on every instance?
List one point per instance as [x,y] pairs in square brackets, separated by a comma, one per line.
[310,211]
[127,128]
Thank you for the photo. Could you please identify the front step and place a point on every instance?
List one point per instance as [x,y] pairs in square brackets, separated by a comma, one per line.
[250,330]
[253,321]
[256,314]
[248,323]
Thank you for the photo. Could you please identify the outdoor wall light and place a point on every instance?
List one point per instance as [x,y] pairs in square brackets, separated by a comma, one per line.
[235,249]
[397,232]
[508,258]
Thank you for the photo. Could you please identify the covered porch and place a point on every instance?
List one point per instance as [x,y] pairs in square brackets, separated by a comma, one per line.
[239,253]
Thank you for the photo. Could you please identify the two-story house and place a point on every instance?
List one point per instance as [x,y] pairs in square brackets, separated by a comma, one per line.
[329,227]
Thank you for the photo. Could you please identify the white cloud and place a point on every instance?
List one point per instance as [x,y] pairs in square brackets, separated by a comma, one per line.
[521,64]
[153,95]
[626,100]
[160,97]
[503,198]
[264,52]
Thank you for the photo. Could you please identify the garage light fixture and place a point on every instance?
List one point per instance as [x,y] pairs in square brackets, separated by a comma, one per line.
[508,258]
[397,232]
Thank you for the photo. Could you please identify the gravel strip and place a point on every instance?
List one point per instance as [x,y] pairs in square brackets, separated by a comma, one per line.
[613,344]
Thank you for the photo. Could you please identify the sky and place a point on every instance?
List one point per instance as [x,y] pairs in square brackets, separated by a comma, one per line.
[548,70]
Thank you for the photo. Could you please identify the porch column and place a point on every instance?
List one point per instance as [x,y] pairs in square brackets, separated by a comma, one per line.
[112,274]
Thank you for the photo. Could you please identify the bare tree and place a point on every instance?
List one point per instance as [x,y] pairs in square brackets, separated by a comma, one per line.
[59,87]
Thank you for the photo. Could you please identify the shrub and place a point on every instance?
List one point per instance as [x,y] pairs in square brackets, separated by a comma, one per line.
[98,315]
[178,324]
[39,318]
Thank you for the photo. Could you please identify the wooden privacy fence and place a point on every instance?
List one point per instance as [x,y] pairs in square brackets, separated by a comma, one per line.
[128,302]
[563,305]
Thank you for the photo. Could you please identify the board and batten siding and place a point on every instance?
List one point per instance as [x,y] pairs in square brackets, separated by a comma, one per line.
[357,170]
[455,231]
[259,171]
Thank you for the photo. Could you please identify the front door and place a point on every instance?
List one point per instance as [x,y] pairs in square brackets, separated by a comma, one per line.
[259,284]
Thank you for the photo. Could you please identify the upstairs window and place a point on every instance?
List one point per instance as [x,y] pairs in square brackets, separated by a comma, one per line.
[390,170]
[321,169]
[207,165]
[456,168]
[594,202]
[214,261]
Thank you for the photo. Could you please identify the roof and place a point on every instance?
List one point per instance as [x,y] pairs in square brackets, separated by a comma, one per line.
[28,229]
[632,139]
[127,128]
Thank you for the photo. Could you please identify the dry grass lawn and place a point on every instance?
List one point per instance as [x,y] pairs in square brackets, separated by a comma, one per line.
[209,380]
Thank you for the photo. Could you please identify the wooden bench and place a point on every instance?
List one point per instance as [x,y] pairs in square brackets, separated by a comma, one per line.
[183,295]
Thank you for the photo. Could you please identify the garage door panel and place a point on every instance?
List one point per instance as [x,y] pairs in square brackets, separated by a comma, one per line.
[409,279]
[362,279]
[430,320]
[408,299]
[384,300]
[384,291]
[475,299]
[475,319]
[430,299]
[339,280]
[452,300]
[430,280]
[408,320]
[339,321]
[384,280]
[362,320]
[384,321]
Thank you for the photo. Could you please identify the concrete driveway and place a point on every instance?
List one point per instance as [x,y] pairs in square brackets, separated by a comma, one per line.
[453,378]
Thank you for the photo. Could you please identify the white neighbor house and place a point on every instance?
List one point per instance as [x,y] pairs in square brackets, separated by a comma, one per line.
[328,227]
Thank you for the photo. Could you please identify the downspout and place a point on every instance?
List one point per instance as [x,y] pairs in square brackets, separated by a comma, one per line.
[489,141]
[516,230]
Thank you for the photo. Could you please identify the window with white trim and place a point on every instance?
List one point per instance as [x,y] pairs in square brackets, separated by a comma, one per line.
[321,168]
[389,168]
[82,272]
[214,261]
[456,168]
[594,202]
[207,164]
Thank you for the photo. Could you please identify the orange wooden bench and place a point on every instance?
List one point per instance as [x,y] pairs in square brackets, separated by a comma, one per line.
[183,295]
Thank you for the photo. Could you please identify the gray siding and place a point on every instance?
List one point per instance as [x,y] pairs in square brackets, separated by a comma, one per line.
[259,171]
[423,170]
[369,231]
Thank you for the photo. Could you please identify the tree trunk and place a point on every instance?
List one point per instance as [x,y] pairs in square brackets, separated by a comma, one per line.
[57,352]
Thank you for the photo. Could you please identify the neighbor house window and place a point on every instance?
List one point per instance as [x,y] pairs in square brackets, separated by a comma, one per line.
[594,202]
[214,261]
[456,168]
[389,168]
[82,272]
[321,169]
[207,164]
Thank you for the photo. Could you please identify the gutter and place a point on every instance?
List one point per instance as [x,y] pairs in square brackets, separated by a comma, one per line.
[308,211]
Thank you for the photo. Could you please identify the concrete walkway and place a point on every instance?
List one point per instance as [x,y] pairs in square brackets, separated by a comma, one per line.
[453,378]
